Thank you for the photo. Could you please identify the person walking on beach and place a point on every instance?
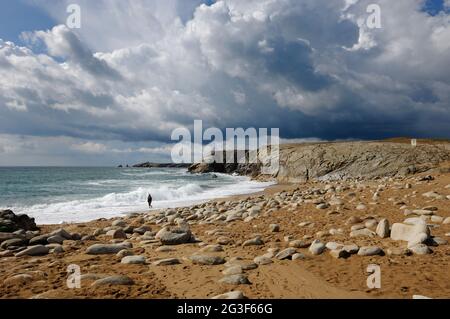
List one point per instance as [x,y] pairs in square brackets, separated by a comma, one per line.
[149,200]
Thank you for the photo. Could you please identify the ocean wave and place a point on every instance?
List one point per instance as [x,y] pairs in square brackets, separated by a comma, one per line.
[117,204]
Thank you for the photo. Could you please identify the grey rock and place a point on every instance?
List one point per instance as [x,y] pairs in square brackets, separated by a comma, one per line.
[362,233]
[351,249]
[370,251]
[383,230]
[15,242]
[166,262]
[298,256]
[300,244]
[55,240]
[207,260]
[233,270]
[339,253]
[421,249]
[39,240]
[317,247]
[133,260]
[262,260]
[254,242]
[173,237]
[114,281]
[105,249]
[286,253]
[37,250]
[235,280]
[62,233]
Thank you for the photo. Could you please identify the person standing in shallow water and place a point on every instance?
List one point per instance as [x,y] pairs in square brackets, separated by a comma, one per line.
[149,200]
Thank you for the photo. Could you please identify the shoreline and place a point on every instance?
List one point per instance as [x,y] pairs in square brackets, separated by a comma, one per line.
[266,237]
[268,190]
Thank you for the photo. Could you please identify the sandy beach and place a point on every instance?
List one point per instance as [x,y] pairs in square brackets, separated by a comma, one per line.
[287,217]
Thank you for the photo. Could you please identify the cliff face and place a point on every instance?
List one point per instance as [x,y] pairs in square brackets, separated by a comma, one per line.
[347,160]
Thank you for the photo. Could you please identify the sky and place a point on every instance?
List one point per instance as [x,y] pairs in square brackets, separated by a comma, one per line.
[113,91]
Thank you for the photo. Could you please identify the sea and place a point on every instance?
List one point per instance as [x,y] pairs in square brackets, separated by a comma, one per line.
[55,195]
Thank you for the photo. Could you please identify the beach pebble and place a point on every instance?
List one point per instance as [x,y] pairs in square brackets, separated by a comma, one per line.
[167,262]
[223,240]
[105,249]
[233,270]
[58,249]
[56,240]
[323,206]
[14,242]
[207,260]
[88,238]
[420,249]
[117,234]
[37,250]
[133,260]
[236,295]
[339,253]
[262,260]
[370,251]
[257,241]
[353,220]
[300,244]
[39,240]
[119,223]
[286,253]
[334,246]
[317,247]
[235,280]
[418,239]
[173,237]
[141,230]
[398,252]
[298,256]
[124,253]
[383,230]
[114,281]
[361,207]
[62,233]
[362,233]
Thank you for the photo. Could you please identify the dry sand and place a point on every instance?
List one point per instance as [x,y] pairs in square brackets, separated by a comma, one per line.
[314,277]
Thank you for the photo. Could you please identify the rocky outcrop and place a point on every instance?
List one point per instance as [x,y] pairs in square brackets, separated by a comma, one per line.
[346,160]
[10,222]
[161,165]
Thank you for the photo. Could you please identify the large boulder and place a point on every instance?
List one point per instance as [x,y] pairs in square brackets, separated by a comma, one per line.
[10,222]
[417,233]
[176,236]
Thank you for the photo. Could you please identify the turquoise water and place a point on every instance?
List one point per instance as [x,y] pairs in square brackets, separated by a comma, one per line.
[55,195]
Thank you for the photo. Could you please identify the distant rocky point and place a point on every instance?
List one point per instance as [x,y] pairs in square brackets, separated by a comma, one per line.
[345,160]
[161,165]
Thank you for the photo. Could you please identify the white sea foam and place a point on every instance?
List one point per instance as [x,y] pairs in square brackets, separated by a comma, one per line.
[117,204]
